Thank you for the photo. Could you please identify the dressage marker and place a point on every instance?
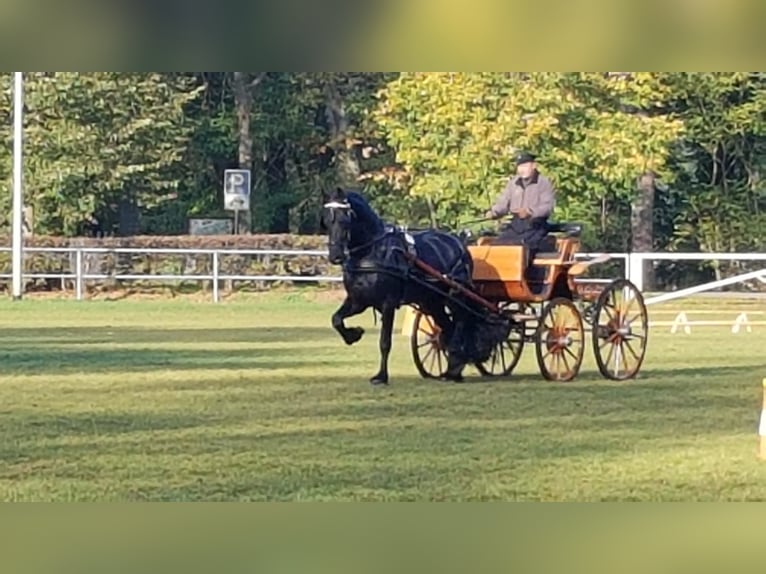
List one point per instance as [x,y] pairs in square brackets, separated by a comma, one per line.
[762,425]
[681,322]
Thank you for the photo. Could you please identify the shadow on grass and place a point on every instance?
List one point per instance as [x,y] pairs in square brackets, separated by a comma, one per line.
[435,409]
[61,360]
[326,441]
[593,377]
[340,436]
[99,424]
[269,462]
[412,405]
[16,336]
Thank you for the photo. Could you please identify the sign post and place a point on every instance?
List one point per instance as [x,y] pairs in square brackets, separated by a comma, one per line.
[236,193]
[17,240]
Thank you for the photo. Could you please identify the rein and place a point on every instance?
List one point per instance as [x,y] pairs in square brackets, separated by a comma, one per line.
[371,242]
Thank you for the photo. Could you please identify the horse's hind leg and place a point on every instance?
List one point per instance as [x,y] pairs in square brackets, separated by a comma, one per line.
[386,330]
[349,308]
[456,346]
[455,360]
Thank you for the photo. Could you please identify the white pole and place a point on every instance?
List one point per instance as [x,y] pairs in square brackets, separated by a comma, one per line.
[706,287]
[636,270]
[18,202]
[78,276]
[215,277]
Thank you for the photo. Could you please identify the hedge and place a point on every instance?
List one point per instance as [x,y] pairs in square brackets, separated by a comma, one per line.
[111,264]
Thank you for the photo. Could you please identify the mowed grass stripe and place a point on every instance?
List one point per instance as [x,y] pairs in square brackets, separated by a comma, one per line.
[261,400]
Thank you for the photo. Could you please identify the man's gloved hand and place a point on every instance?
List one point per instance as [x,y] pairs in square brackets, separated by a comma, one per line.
[522,213]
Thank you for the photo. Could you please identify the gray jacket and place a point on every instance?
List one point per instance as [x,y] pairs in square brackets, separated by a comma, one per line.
[539,197]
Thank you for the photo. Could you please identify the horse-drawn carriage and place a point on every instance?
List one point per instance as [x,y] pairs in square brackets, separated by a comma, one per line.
[550,308]
[478,303]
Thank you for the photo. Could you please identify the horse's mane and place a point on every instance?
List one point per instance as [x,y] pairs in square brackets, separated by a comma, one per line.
[364,212]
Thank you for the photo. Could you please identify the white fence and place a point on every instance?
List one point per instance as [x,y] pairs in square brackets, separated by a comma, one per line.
[636,262]
[633,267]
[79,275]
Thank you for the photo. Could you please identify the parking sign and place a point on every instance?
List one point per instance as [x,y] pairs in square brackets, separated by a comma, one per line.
[236,189]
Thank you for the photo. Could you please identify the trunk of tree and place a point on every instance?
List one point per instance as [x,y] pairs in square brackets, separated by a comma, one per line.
[129,216]
[276,177]
[346,162]
[243,101]
[642,223]
[431,212]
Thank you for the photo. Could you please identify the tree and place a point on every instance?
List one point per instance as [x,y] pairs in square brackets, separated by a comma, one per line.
[719,203]
[98,141]
[453,135]
[244,84]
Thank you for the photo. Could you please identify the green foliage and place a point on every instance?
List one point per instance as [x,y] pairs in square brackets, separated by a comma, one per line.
[720,203]
[211,149]
[91,139]
[288,138]
[427,148]
[454,134]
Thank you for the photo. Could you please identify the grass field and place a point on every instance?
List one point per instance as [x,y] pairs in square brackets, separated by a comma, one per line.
[259,399]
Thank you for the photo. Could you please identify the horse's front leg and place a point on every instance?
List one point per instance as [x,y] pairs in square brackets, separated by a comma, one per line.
[349,308]
[386,330]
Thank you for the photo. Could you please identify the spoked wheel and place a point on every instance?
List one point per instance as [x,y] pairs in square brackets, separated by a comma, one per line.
[505,356]
[620,331]
[428,349]
[560,341]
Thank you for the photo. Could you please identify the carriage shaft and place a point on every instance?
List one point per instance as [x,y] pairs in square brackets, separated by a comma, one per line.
[452,283]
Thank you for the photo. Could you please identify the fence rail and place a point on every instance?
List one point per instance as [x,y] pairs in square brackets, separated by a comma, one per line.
[633,267]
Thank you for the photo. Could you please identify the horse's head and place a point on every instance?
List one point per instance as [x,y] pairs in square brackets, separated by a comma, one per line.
[352,225]
[338,219]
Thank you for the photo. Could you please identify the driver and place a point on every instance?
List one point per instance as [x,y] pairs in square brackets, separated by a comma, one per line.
[530,197]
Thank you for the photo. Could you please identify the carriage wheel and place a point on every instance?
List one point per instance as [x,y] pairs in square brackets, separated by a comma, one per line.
[428,350]
[620,331]
[505,356]
[560,340]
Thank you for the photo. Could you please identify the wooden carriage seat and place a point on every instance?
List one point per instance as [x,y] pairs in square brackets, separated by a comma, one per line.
[550,252]
[498,262]
[500,274]
[556,250]
[553,249]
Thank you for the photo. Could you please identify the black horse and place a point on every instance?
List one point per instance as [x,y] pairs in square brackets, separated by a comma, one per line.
[378,273]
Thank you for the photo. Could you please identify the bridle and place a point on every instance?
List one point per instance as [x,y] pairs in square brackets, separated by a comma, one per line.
[345,207]
[346,233]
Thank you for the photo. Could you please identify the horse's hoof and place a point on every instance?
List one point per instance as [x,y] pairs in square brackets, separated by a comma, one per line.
[455,378]
[378,381]
[354,335]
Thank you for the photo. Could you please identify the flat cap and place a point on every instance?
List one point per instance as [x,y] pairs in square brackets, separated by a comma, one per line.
[524,157]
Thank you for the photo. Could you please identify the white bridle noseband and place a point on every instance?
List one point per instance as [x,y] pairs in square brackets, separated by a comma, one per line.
[337,205]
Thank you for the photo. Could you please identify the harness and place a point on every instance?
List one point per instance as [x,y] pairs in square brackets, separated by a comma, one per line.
[409,267]
[389,230]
